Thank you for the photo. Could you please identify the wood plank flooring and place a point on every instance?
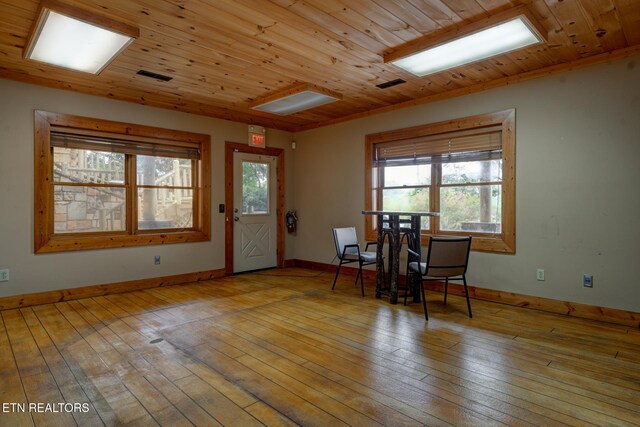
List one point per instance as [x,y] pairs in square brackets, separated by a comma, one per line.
[278,348]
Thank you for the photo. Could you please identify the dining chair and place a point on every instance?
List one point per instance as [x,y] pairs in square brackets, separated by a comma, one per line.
[448,258]
[348,251]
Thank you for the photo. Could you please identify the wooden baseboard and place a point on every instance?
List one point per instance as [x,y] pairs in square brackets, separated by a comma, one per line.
[574,309]
[289,263]
[26,300]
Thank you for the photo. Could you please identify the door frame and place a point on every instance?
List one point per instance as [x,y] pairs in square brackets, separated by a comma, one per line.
[234,147]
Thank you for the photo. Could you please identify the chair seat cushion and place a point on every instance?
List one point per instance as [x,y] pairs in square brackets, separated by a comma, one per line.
[413,266]
[364,256]
[436,271]
[368,256]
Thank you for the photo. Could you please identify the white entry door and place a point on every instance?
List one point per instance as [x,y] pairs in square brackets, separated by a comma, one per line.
[254,212]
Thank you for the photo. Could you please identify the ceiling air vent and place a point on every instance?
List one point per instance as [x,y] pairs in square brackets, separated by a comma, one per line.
[154,75]
[390,83]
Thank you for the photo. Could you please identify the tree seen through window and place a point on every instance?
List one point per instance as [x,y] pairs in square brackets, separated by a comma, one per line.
[255,188]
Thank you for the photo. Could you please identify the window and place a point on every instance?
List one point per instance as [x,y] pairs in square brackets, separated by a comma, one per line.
[463,169]
[102,184]
[255,188]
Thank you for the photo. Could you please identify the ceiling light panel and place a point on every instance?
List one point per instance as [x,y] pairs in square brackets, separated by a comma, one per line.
[302,99]
[502,38]
[72,43]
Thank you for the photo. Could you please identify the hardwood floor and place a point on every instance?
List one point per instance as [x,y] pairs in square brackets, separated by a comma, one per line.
[279,348]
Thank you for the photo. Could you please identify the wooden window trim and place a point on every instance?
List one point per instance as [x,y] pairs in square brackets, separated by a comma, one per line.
[503,242]
[47,241]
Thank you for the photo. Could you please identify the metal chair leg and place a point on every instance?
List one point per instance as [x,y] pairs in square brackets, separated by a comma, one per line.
[446,288]
[424,300]
[361,280]
[406,281]
[406,287]
[357,276]
[336,278]
[466,292]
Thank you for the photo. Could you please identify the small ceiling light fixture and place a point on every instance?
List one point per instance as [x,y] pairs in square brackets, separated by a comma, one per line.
[293,99]
[74,38]
[507,31]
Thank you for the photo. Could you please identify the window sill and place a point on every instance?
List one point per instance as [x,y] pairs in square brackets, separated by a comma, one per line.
[79,243]
[493,244]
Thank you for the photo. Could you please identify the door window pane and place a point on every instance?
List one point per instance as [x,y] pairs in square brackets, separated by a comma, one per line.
[407,200]
[163,171]
[255,188]
[87,166]
[165,208]
[80,209]
[476,208]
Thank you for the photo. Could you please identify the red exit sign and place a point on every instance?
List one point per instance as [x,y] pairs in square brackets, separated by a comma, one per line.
[257,136]
[258,140]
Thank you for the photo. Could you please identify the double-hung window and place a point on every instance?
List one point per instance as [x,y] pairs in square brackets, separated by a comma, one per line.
[102,184]
[463,169]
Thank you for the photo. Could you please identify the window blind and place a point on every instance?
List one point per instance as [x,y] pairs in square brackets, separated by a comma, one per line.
[137,146]
[468,145]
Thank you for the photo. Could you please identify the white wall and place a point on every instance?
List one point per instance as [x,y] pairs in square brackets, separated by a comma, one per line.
[35,273]
[577,183]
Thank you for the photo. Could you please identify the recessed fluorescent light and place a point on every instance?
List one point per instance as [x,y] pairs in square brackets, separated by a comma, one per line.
[294,99]
[69,42]
[478,44]
[294,103]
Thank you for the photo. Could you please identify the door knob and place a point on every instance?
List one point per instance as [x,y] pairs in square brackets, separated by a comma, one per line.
[235,218]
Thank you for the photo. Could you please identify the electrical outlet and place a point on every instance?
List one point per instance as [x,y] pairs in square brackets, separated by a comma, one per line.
[4,275]
[156,260]
[540,274]
[587,281]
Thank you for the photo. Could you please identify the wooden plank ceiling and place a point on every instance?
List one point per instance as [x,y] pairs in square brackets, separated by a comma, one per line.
[222,54]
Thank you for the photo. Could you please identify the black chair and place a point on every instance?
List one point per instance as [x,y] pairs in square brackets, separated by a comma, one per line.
[447,258]
[348,251]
